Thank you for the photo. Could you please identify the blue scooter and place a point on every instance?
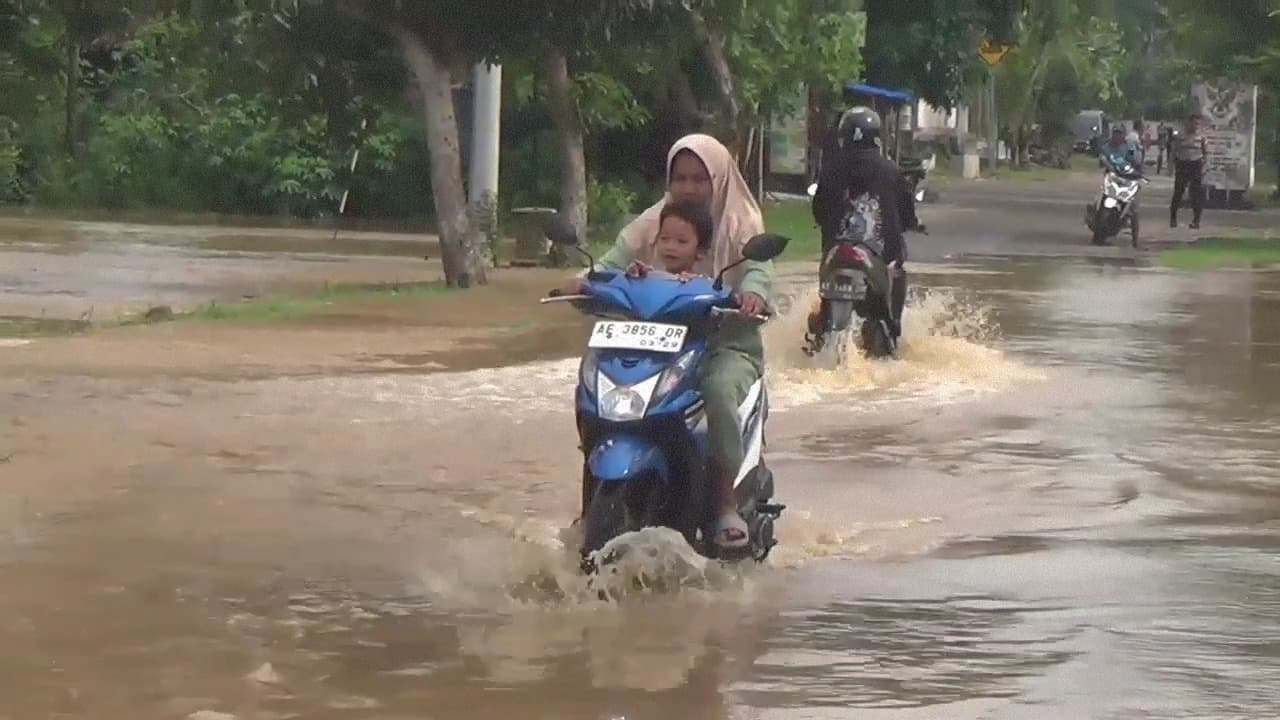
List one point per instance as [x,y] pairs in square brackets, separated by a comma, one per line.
[640,417]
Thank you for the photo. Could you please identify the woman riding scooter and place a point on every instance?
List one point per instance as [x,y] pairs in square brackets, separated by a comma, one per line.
[701,170]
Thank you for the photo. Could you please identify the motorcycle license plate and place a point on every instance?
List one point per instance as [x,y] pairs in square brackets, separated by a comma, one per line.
[838,291]
[635,335]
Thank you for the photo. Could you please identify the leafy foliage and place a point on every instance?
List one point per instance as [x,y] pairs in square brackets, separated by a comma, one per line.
[1072,58]
[200,112]
[780,47]
[257,106]
[929,47]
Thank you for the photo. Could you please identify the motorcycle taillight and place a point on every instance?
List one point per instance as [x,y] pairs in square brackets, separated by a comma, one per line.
[851,254]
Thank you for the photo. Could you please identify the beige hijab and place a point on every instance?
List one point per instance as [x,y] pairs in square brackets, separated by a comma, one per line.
[733,207]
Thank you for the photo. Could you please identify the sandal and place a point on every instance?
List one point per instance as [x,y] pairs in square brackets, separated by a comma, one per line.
[731,531]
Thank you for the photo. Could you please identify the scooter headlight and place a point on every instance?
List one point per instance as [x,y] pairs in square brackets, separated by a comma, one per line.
[624,403]
[674,374]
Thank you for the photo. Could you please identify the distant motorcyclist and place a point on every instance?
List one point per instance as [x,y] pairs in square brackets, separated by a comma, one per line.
[1121,156]
[1119,151]
[856,177]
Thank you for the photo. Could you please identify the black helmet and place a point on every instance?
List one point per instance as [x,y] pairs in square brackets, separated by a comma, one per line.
[859,127]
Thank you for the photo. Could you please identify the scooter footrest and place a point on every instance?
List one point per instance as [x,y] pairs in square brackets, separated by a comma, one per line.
[734,554]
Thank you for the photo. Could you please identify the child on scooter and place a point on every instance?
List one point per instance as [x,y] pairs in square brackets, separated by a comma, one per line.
[734,360]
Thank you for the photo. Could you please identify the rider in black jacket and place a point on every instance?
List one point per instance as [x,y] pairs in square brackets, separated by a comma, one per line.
[855,173]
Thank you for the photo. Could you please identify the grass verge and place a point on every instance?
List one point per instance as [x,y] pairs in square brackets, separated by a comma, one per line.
[794,219]
[1214,253]
[17,326]
[291,306]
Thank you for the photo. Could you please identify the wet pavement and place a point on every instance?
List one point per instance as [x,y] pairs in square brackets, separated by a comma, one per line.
[1061,503]
[1029,218]
[95,270]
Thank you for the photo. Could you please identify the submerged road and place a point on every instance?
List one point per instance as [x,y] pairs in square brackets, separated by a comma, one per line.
[1060,503]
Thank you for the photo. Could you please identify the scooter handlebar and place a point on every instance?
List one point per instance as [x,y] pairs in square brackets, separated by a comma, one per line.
[721,312]
[558,295]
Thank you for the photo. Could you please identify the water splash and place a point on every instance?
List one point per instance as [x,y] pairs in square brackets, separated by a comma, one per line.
[511,572]
[947,350]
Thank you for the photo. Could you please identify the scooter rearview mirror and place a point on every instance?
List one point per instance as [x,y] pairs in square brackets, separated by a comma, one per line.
[765,247]
[559,230]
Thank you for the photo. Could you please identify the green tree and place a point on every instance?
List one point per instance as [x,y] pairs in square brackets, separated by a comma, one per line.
[1072,54]
[793,44]
[225,107]
[929,47]
[441,39]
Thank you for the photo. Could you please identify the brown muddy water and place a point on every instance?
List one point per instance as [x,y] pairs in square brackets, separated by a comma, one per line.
[1063,502]
[90,270]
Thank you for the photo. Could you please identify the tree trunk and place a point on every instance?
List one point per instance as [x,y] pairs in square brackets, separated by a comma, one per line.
[686,102]
[70,109]
[1035,87]
[569,137]
[718,60]
[459,244]
[1275,147]
[877,38]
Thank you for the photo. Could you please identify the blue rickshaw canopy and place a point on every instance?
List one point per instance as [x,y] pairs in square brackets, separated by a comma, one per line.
[896,96]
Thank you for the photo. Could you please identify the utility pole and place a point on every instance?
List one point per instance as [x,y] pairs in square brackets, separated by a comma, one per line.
[992,54]
[993,127]
[485,133]
[482,178]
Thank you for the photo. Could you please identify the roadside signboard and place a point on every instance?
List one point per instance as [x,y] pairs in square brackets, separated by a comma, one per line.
[1230,115]
[993,53]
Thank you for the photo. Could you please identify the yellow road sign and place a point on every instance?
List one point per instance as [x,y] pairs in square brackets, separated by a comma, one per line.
[992,53]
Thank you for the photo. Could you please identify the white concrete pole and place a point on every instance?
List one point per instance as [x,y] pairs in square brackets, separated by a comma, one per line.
[485,132]
[993,125]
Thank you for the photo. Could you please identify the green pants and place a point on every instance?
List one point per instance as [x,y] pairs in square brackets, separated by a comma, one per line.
[725,376]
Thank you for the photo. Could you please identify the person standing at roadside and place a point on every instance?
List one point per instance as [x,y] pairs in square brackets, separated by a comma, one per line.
[1174,133]
[1190,150]
[1162,146]
[1135,138]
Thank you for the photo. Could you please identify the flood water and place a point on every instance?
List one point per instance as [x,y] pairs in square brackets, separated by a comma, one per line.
[92,270]
[1063,502]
